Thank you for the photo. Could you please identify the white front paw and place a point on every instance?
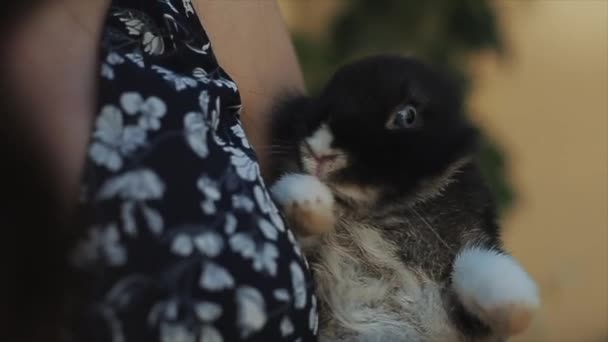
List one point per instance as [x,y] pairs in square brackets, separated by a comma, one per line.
[494,287]
[306,201]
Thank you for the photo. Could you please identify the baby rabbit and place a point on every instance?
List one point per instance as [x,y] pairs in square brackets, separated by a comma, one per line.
[377,176]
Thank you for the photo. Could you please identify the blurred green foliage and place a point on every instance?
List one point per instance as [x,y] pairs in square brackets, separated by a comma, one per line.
[445,33]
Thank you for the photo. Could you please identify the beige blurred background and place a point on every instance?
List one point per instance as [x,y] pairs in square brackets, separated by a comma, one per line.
[548,106]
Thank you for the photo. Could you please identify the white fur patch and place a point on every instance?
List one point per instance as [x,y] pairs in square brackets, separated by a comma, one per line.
[372,294]
[301,188]
[318,146]
[493,286]
[306,202]
[321,140]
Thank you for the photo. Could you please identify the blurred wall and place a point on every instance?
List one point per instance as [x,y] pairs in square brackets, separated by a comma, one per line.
[309,16]
[547,104]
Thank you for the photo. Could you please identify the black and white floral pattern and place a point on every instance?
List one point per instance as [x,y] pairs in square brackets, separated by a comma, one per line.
[184,242]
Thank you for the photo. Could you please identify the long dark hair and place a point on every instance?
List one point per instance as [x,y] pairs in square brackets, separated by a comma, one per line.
[34,232]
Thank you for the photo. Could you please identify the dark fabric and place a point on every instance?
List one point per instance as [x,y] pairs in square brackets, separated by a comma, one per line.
[184,242]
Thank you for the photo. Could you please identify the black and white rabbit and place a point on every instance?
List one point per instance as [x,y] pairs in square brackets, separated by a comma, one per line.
[378,177]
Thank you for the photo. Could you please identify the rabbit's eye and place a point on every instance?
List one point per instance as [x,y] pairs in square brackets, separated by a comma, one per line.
[406,118]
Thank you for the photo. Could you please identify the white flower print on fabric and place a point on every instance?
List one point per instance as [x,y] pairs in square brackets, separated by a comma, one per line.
[188,7]
[111,60]
[208,206]
[107,71]
[152,217]
[313,317]
[269,231]
[245,167]
[113,140]
[203,101]
[175,332]
[196,133]
[226,83]
[210,334]
[202,50]
[134,25]
[243,244]
[198,125]
[182,245]
[296,245]
[230,224]
[281,295]
[208,311]
[132,131]
[265,259]
[291,237]
[201,75]
[211,192]
[128,221]
[260,197]
[170,5]
[151,110]
[163,310]
[179,82]
[133,137]
[140,185]
[135,187]
[299,285]
[136,58]
[251,310]
[114,59]
[267,206]
[153,44]
[214,117]
[101,243]
[277,220]
[286,327]
[240,133]
[215,277]
[242,202]
[209,244]
[140,26]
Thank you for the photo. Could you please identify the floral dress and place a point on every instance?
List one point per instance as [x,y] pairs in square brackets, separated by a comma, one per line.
[184,243]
